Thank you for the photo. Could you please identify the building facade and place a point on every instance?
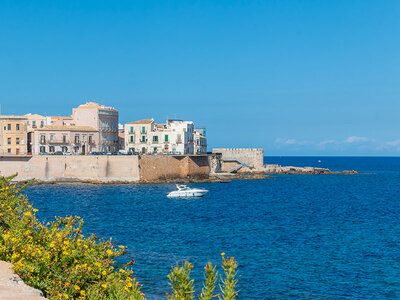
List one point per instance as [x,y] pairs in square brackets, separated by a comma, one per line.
[104,119]
[200,141]
[13,135]
[147,137]
[80,140]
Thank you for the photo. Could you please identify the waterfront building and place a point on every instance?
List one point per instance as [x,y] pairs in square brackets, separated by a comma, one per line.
[200,141]
[61,121]
[35,121]
[67,139]
[104,119]
[121,141]
[13,135]
[147,137]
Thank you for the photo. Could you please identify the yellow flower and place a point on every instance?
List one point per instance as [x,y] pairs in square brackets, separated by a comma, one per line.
[104,285]
[223,254]
[129,284]
[65,296]
[109,252]
[77,288]
[122,247]
[82,293]
[104,272]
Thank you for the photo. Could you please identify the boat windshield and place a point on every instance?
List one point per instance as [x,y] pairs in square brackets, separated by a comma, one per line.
[182,187]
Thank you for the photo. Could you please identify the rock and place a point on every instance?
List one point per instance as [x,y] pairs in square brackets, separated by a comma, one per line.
[13,288]
[277,169]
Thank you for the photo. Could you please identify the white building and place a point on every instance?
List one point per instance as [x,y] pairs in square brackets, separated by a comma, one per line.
[148,137]
[200,141]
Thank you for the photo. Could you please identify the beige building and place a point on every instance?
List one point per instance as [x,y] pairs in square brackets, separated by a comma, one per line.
[35,121]
[67,139]
[13,135]
[102,118]
[173,137]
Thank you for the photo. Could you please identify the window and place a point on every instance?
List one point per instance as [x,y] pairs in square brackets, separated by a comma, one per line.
[143,129]
[155,138]
[76,139]
[143,139]
[9,150]
[34,124]
[8,126]
[17,151]
[27,122]
[84,139]
[9,141]
[166,137]
[41,123]
[131,138]
[51,137]
[64,139]
[42,149]
[42,139]
[17,141]
[90,139]
[17,126]
[51,149]
[131,129]
[64,149]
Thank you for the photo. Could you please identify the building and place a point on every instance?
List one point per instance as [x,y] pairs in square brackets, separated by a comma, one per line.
[200,141]
[104,119]
[13,135]
[72,139]
[35,121]
[148,137]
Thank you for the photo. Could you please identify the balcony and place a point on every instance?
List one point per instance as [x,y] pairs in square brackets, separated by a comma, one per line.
[58,141]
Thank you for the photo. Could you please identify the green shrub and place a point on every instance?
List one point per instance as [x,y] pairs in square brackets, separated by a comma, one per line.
[56,258]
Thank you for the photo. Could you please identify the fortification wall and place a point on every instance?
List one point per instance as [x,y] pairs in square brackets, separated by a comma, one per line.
[74,167]
[250,156]
[102,168]
[166,167]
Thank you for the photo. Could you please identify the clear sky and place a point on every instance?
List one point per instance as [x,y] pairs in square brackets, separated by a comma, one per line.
[293,77]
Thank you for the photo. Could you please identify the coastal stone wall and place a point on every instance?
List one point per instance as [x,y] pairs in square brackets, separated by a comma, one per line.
[71,168]
[104,168]
[168,167]
[251,156]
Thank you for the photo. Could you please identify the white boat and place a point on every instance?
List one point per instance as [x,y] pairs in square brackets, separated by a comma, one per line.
[185,191]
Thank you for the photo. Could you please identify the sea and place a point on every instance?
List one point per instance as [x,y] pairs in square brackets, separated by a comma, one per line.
[294,236]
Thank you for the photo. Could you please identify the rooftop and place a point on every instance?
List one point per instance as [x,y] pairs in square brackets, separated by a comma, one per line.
[95,105]
[67,128]
[145,121]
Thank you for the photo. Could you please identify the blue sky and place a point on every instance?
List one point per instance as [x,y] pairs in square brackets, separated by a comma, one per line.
[293,77]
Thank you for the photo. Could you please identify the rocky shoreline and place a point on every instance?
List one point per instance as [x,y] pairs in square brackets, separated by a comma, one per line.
[277,169]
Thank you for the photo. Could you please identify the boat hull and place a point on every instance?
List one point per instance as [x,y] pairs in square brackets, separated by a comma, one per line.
[187,194]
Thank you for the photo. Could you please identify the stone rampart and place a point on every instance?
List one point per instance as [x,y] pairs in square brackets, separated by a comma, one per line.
[254,157]
[169,167]
[104,168]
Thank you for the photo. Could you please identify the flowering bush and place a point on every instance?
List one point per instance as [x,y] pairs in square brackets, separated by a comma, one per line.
[56,258]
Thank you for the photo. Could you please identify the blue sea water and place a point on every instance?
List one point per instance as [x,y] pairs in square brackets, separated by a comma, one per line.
[294,236]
